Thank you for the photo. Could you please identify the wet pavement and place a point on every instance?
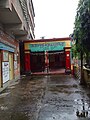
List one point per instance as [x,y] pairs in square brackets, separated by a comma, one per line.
[55,97]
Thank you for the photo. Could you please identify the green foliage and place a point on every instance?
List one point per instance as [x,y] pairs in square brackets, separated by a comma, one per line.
[75,53]
[82,26]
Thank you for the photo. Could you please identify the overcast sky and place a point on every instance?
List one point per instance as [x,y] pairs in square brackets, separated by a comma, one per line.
[54,18]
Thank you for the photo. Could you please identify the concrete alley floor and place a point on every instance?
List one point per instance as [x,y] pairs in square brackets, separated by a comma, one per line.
[55,97]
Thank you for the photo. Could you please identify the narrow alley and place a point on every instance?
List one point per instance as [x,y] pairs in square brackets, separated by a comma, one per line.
[55,97]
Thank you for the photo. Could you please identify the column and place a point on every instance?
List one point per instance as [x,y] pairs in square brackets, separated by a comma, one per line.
[27,62]
[46,61]
[68,60]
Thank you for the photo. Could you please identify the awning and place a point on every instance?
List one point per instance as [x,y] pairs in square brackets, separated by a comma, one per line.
[5,47]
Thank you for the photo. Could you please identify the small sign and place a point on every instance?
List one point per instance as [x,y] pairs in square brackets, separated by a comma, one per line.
[15,65]
[5,71]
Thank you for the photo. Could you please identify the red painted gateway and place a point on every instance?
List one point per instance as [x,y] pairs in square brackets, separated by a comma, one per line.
[46,55]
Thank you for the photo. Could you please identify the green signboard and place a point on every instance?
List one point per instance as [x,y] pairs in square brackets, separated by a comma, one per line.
[50,46]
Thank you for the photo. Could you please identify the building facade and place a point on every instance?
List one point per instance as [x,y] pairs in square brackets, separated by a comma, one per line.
[51,53]
[16,24]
